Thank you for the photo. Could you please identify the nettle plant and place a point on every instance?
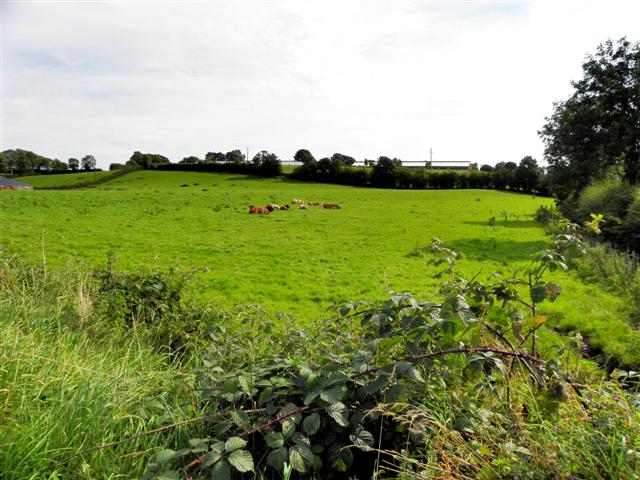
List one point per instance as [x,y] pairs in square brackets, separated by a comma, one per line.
[317,406]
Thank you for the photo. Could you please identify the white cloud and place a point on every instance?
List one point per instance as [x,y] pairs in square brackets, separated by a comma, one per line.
[473,80]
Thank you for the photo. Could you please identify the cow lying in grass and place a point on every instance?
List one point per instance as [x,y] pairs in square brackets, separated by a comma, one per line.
[265,210]
[253,210]
[331,205]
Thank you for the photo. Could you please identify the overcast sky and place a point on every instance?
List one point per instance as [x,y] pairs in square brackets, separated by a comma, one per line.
[472,80]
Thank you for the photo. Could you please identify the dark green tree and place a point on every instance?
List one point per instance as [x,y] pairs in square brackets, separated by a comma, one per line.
[215,157]
[190,160]
[4,164]
[528,174]
[304,156]
[487,168]
[147,160]
[88,162]
[266,164]
[598,126]
[235,156]
[343,159]
[58,166]
[384,172]
[74,164]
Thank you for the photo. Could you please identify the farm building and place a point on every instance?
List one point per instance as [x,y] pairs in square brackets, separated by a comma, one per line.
[8,184]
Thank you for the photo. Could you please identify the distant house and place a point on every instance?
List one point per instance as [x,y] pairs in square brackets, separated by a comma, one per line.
[449,165]
[8,184]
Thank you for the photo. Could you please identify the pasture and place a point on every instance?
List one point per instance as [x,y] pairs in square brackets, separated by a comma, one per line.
[301,262]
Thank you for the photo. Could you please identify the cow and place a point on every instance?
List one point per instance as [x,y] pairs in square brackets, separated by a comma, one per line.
[303,206]
[297,201]
[313,204]
[273,206]
[331,205]
[253,210]
[284,207]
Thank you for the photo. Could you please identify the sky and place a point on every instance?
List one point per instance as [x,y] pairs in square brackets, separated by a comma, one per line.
[471,80]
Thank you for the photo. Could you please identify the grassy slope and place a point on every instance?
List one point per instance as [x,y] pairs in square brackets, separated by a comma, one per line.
[297,262]
[40,181]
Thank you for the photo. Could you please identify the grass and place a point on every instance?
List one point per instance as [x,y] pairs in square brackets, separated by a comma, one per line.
[66,387]
[300,262]
[59,180]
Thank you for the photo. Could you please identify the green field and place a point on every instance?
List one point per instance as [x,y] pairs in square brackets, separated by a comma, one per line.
[299,262]
[88,393]
[60,180]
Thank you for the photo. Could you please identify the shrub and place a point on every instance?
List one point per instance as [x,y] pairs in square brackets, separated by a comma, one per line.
[610,197]
[266,164]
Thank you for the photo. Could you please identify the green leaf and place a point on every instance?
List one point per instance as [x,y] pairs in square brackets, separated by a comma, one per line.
[313,394]
[278,457]
[165,456]
[245,383]
[274,439]
[234,443]
[217,447]
[339,412]
[377,385]
[241,460]
[222,471]
[300,438]
[311,424]
[333,394]
[209,459]
[288,428]
[361,438]
[300,457]
[538,293]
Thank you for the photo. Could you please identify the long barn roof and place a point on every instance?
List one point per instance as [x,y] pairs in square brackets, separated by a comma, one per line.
[11,183]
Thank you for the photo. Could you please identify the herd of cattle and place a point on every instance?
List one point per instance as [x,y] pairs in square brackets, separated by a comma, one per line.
[263,210]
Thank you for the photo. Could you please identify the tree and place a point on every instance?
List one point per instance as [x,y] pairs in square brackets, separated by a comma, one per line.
[487,168]
[235,156]
[343,159]
[528,174]
[115,166]
[147,160]
[58,166]
[74,164]
[598,126]
[4,164]
[384,172]
[88,162]
[266,164]
[217,157]
[190,160]
[304,156]
[506,166]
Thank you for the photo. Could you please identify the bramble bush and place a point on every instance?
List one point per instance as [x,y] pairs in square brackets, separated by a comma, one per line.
[367,394]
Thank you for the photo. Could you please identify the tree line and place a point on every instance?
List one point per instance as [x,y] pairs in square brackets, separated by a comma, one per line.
[24,162]
[386,172]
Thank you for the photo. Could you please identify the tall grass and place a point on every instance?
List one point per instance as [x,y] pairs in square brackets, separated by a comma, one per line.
[66,386]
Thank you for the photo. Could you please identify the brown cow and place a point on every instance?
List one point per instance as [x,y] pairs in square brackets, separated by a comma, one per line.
[313,204]
[331,205]
[297,201]
[258,210]
[284,207]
